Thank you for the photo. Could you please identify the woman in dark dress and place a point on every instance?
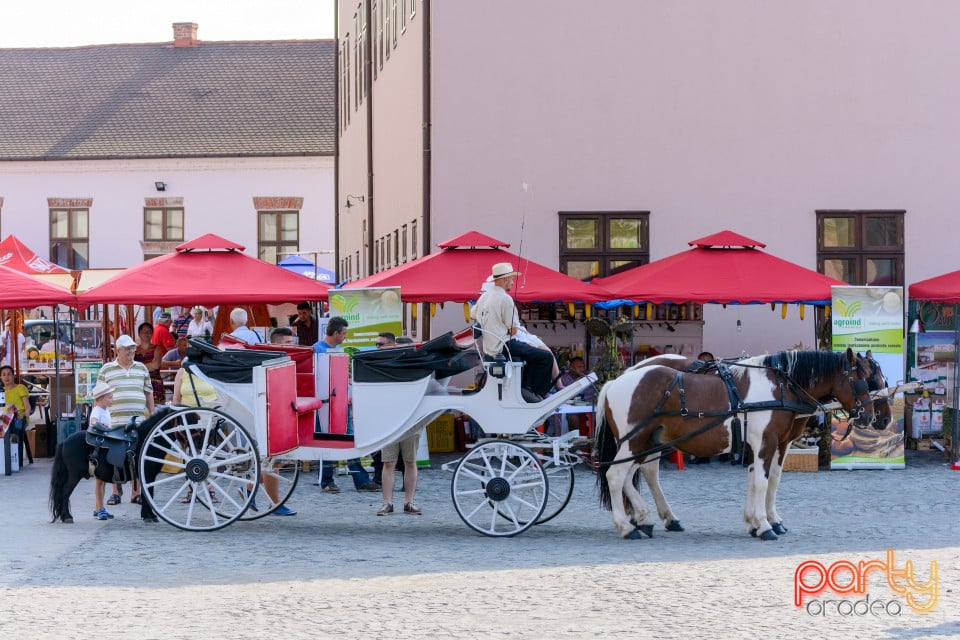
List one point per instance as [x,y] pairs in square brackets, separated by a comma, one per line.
[151,355]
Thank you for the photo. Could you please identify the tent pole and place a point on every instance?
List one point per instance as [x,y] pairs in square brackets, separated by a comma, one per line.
[955,427]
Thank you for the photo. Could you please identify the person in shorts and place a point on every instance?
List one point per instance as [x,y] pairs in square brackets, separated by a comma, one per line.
[406,449]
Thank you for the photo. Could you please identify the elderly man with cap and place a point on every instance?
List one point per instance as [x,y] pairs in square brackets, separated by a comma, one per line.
[498,318]
[161,333]
[132,396]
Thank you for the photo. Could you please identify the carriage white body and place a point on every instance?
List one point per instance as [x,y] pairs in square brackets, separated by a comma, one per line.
[504,477]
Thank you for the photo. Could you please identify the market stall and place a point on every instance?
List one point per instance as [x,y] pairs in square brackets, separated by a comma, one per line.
[933,354]
[723,268]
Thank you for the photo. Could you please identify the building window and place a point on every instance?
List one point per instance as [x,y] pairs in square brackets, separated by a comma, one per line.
[403,16]
[396,247]
[387,28]
[278,235]
[70,238]
[356,260]
[403,244]
[596,244]
[413,240]
[393,10]
[861,247]
[163,224]
[413,8]
[380,28]
[373,34]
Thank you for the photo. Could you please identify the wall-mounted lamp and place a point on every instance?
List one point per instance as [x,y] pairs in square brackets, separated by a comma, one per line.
[160,185]
[349,204]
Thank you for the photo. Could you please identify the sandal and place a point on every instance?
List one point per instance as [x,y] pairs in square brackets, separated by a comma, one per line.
[113,499]
[135,500]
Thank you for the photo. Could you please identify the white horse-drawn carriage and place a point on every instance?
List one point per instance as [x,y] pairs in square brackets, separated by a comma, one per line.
[282,405]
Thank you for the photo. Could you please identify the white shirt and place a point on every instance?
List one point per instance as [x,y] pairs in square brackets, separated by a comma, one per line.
[246,334]
[497,314]
[199,329]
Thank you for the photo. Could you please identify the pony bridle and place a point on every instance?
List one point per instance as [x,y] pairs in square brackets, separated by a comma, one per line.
[859,387]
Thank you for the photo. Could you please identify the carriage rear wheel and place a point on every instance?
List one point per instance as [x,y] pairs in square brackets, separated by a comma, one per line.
[210,458]
[559,485]
[499,488]
[282,473]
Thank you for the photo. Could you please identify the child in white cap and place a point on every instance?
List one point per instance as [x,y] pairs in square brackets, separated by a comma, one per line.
[100,414]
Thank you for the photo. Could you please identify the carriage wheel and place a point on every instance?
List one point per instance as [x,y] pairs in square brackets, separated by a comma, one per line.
[214,457]
[285,473]
[499,488]
[560,485]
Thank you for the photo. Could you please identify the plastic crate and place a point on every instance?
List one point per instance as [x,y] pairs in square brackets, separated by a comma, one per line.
[802,459]
[440,435]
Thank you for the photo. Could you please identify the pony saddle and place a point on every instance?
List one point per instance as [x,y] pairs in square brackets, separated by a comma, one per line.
[117,442]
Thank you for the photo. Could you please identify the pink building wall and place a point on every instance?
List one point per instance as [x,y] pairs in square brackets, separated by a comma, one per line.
[748,115]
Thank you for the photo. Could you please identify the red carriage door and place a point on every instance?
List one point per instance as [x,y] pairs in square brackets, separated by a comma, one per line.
[281,415]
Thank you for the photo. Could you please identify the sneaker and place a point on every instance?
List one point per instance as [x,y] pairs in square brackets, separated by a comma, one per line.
[412,509]
[370,487]
[102,515]
[330,488]
[386,510]
[284,510]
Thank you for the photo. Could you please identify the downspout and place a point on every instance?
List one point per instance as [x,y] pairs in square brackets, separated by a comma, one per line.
[336,144]
[427,159]
[368,88]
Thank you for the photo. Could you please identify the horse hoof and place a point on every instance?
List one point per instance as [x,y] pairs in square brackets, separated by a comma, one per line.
[152,519]
[647,530]
[674,525]
[67,520]
[779,529]
[633,535]
[768,535]
[753,533]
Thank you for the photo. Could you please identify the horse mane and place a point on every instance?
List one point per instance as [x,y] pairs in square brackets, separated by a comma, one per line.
[806,368]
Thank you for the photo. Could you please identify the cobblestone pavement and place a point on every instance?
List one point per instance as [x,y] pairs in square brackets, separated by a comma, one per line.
[336,570]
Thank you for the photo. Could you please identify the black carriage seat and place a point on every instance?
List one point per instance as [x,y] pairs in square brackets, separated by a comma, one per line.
[229,365]
[443,357]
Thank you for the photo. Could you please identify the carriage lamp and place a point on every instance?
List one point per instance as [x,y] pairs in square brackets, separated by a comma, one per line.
[499,367]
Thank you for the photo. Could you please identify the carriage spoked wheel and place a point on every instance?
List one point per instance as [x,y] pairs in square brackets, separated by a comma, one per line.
[213,456]
[275,472]
[499,488]
[559,484]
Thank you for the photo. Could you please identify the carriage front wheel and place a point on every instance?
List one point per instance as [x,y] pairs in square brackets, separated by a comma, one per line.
[213,469]
[499,488]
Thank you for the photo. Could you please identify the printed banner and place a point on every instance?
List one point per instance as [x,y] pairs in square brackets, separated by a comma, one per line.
[869,320]
[368,312]
[86,376]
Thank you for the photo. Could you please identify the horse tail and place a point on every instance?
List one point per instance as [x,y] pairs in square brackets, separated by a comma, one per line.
[59,476]
[606,447]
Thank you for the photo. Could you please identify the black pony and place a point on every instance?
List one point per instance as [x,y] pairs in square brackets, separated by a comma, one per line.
[72,464]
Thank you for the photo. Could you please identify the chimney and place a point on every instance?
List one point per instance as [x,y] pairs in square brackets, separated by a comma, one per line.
[185,35]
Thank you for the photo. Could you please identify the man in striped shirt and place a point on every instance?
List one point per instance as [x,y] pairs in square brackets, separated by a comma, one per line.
[132,396]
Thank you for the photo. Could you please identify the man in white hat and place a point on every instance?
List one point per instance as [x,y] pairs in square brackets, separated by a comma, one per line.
[498,317]
[132,396]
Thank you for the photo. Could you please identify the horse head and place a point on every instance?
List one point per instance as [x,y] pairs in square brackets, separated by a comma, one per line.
[876,382]
[852,388]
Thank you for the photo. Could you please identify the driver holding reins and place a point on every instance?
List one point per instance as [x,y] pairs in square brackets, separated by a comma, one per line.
[497,315]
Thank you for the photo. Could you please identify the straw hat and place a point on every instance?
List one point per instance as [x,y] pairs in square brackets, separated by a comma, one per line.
[101,389]
[502,270]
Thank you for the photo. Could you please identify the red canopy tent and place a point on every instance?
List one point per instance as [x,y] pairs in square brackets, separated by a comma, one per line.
[724,268]
[209,270]
[20,291]
[17,256]
[455,273]
[943,288]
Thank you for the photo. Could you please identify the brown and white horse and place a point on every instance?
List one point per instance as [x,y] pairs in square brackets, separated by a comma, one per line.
[650,408]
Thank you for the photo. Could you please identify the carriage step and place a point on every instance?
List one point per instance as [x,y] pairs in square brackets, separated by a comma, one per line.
[333,437]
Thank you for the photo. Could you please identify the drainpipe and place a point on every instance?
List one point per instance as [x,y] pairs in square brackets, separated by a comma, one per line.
[336,145]
[425,234]
[368,87]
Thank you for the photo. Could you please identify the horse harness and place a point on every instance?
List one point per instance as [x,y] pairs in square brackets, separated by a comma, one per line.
[119,443]
[737,406]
